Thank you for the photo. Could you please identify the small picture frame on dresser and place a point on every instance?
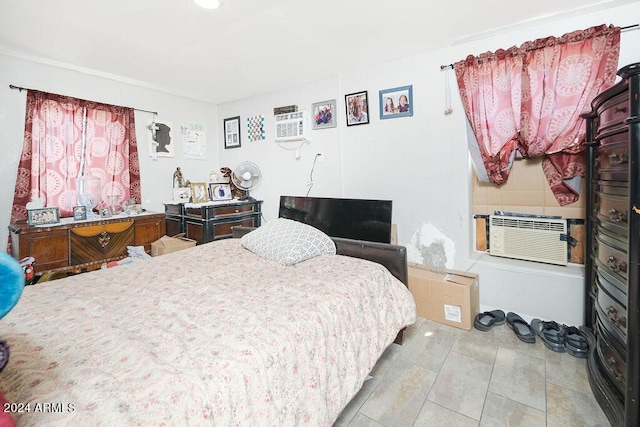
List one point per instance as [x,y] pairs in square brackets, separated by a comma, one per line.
[199,192]
[220,191]
[105,213]
[182,194]
[79,213]
[43,216]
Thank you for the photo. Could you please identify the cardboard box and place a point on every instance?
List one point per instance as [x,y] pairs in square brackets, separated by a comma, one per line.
[445,296]
[166,244]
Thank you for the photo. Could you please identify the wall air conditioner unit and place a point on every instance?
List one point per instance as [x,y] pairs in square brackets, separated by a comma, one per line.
[294,126]
[529,237]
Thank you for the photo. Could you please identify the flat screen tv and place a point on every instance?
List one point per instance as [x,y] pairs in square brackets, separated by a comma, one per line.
[348,218]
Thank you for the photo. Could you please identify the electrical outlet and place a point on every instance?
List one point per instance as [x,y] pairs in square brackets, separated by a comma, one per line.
[320,156]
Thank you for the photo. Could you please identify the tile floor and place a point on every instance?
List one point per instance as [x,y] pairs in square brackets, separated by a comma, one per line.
[444,376]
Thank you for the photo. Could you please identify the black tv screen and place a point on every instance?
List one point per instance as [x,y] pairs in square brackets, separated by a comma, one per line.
[348,218]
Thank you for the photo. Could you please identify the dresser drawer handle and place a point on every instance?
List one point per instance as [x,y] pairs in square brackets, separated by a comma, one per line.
[612,315]
[620,110]
[616,266]
[612,362]
[617,216]
[104,239]
[618,159]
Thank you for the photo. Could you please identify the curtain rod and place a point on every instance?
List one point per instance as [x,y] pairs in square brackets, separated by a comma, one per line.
[19,88]
[628,27]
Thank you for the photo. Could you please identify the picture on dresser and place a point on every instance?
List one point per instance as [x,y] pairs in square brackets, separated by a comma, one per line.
[220,191]
[43,216]
[199,192]
[79,213]
[182,194]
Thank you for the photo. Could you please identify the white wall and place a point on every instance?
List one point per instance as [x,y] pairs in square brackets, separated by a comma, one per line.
[419,162]
[156,175]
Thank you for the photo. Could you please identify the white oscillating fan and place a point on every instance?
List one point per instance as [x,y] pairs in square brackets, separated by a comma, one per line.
[246,176]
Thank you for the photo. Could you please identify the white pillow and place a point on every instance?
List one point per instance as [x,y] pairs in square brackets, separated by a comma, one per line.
[288,242]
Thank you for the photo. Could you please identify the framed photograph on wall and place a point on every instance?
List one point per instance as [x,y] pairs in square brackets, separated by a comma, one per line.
[396,102]
[43,216]
[199,192]
[220,191]
[232,132]
[357,105]
[324,114]
[79,213]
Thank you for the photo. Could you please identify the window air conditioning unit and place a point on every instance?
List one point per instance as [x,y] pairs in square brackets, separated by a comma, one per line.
[294,126]
[529,237]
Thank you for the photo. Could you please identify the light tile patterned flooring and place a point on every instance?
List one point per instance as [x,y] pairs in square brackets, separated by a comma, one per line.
[444,376]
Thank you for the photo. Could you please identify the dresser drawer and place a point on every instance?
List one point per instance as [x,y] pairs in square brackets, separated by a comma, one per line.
[614,287]
[613,158]
[611,360]
[224,229]
[100,243]
[212,212]
[614,259]
[614,188]
[233,210]
[620,137]
[612,209]
[613,315]
[613,112]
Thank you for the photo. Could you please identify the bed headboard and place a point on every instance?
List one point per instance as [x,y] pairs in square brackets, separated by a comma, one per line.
[394,257]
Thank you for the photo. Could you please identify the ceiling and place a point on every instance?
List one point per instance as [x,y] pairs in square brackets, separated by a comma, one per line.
[248,47]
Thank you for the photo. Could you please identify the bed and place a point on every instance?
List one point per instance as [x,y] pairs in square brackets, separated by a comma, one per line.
[212,335]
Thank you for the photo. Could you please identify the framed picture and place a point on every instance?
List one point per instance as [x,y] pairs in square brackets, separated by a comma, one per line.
[160,138]
[220,191]
[105,212]
[232,132]
[324,114]
[357,108]
[79,213]
[199,193]
[396,102]
[43,216]
[182,194]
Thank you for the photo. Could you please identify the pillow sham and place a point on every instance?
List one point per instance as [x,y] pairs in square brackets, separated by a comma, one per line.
[287,242]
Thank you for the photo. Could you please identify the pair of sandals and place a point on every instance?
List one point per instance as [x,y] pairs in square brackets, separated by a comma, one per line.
[487,320]
[556,337]
[561,338]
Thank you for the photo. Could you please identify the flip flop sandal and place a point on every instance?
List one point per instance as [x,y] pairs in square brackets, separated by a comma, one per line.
[575,343]
[487,320]
[551,334]
[521,328]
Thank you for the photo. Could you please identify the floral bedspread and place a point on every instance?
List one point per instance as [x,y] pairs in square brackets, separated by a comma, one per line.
[211,335]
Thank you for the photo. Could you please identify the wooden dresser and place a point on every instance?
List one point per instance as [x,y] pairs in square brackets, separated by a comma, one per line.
[612,262]
[84,245]
[211,221]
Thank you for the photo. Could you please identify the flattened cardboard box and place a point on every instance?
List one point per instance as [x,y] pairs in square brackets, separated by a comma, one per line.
[166,244]
[445,296]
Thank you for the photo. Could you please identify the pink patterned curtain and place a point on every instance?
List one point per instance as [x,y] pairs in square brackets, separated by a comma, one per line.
[490,89]
[557,80]
[55,149]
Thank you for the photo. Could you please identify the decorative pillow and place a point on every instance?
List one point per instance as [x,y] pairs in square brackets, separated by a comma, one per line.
[288,242]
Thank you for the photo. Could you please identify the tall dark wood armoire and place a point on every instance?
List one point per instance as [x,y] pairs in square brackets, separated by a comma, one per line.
[612,261]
